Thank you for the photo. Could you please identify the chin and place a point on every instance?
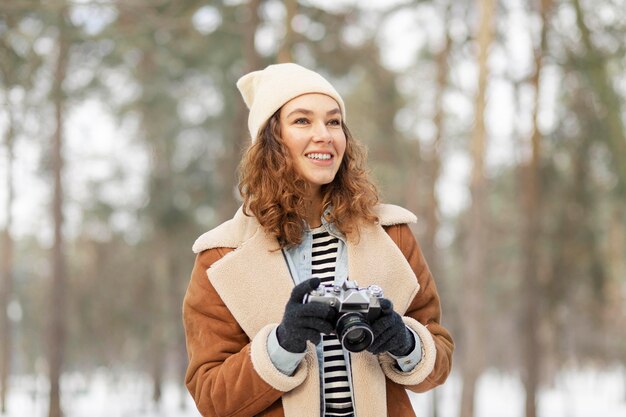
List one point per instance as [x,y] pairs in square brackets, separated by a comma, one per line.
[321,183]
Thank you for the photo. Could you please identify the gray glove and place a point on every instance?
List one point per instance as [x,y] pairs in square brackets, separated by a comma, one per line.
[302,322]
[390,333]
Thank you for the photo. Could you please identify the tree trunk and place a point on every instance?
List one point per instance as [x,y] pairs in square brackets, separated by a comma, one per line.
[434,158]
[285,53]
[6,272]
[161,310]
[473,358]
[230,162]
[434,164]
[533,351]
[617,265]
[157,373]
[58,300]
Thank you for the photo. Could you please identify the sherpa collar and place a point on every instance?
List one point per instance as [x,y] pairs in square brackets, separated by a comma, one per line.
[234,232]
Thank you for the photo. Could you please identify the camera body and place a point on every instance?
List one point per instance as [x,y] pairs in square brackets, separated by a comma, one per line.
[356,308]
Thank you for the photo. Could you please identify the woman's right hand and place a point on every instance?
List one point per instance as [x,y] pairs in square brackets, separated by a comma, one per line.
[302,322]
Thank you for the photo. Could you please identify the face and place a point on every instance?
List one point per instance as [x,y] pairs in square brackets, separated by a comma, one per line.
[310,127]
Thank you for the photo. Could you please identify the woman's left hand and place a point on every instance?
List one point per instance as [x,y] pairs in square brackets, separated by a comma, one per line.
[390,333]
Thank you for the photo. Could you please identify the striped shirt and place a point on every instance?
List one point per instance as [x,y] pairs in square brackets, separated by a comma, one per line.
[336,384]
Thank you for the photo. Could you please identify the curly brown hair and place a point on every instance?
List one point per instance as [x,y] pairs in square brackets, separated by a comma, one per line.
[275,193]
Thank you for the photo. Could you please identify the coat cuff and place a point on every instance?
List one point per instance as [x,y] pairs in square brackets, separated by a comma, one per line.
[264,366]
[425,365]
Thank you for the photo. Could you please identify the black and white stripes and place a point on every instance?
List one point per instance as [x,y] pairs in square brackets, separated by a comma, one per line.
[337,392]
[324,257]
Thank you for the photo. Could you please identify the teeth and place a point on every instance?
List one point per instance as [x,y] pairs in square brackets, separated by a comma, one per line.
[320,156]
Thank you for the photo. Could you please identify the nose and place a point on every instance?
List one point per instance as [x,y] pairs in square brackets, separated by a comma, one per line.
[321,133]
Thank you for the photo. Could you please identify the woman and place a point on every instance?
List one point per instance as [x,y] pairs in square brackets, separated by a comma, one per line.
[310,220]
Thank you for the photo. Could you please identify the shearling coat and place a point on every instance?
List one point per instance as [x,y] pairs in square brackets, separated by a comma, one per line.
[238,289]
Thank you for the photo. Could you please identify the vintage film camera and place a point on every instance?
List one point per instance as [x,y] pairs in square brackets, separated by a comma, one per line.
[356,308]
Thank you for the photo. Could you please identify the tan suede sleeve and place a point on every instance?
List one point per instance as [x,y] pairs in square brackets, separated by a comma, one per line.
[425,307]
[220,375]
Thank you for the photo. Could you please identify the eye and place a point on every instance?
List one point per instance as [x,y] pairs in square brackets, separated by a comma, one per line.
[334,122]
[301,121]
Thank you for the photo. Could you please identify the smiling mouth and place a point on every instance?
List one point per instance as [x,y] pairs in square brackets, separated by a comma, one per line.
[319,156]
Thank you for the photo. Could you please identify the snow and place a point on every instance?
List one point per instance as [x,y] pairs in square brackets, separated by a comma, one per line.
[575,393]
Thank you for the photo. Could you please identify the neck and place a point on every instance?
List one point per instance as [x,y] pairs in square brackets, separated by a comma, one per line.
[314,211]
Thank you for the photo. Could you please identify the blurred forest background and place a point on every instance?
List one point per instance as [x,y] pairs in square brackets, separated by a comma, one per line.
[499,123]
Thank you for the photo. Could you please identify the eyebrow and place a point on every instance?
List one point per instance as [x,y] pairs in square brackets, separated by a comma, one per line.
[308,112]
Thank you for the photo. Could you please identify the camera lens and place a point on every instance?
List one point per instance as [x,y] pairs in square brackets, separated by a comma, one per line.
[355,336]
[354,332]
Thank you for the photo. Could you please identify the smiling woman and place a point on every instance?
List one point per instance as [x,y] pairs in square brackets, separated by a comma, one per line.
[310,127]
[275,322]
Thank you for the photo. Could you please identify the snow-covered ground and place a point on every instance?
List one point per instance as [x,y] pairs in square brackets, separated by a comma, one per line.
[588,393]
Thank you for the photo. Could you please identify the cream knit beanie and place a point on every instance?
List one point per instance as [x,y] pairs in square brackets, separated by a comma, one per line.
[267,90]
